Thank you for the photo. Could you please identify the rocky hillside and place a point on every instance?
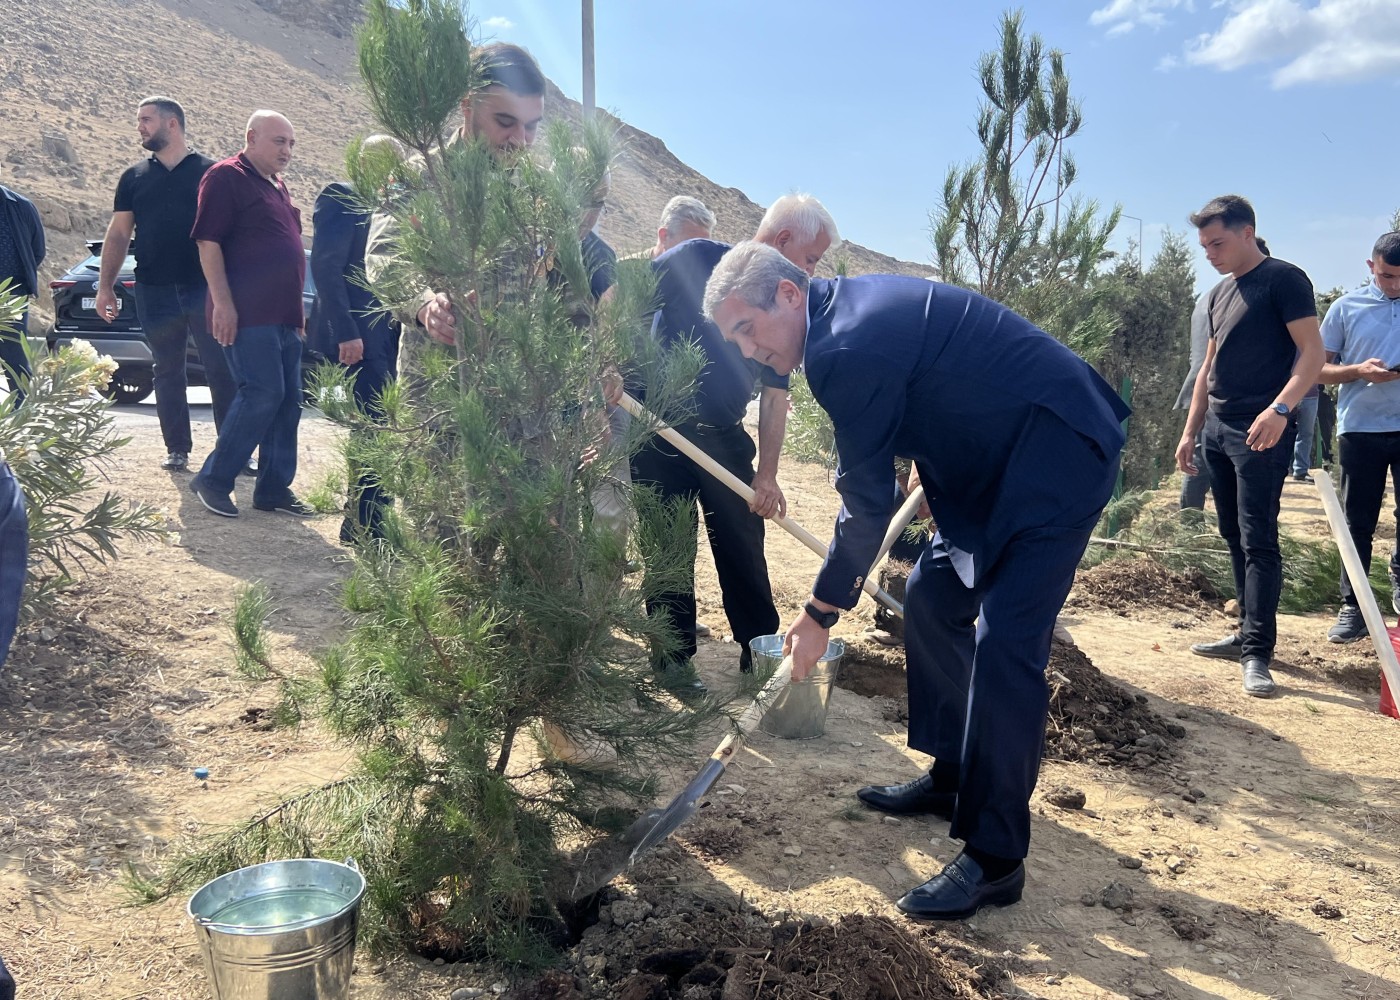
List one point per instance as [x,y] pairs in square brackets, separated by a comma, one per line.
[75,69]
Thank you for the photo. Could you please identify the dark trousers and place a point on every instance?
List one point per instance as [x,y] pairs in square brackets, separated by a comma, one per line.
[266,365]
[14,556]
[735,533]
[1326,423]
[172,315]
[976,655]
[14,361]
[976,674]
[1247,486]
[371,375]
[1368,460]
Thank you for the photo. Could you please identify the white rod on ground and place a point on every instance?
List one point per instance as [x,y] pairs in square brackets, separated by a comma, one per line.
[698,456]
[1360,583]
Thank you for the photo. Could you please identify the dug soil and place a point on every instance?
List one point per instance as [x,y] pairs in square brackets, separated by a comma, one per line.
[1188,841]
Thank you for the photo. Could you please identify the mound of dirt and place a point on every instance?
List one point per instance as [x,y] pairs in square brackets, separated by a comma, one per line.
[1092,718]
[1125,585]
[660,944]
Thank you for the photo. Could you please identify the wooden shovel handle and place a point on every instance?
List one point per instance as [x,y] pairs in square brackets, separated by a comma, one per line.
[698,456]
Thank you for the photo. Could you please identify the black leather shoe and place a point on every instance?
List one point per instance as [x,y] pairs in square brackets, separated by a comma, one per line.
[912,798]
[960,890]
[1229,648]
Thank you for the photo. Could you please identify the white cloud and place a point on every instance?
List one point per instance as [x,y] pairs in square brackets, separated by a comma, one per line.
[498,23]
[1122,16]
[1330,41]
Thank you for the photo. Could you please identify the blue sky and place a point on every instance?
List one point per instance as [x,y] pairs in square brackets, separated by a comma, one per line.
[1288,102]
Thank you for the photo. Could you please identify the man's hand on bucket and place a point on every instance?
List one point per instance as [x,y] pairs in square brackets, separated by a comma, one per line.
[806,643]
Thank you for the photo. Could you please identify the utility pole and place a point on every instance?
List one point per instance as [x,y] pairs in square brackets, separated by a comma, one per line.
[589,103]
[1139,222]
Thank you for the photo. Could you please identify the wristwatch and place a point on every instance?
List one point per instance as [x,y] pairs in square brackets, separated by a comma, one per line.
[1280,408]
[825,619]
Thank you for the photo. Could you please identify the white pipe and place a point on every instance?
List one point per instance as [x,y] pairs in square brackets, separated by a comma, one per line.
[1360,583]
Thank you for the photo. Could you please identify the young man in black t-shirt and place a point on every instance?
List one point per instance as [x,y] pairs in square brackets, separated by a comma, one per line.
[156,198]
[1264,353]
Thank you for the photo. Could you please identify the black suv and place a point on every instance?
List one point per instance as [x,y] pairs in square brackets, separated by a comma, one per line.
[75,318]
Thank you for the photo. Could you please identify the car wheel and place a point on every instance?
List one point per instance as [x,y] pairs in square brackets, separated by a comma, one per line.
[130,385]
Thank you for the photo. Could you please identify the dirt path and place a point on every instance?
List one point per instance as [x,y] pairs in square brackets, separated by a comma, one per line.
[1281,879]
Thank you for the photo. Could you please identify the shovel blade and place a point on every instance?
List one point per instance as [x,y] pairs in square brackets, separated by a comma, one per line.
[619,853]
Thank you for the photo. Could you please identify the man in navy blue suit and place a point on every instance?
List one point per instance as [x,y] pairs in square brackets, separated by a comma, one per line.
[1016,441]
[348,326]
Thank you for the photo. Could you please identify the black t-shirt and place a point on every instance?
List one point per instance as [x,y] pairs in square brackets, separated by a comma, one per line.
[163,202]
[725,386]
[1254,353]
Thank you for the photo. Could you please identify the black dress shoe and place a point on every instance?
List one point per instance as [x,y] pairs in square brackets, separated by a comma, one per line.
[1229,648]
[960,890]
[912,798]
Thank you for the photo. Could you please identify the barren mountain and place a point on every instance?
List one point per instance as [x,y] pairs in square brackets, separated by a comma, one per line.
[74,71]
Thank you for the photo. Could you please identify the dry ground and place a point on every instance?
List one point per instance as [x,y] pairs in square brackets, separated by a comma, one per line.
[1280,879]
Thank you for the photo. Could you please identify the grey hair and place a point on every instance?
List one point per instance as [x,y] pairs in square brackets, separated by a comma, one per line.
[803,216]
[683,208]
[752,271]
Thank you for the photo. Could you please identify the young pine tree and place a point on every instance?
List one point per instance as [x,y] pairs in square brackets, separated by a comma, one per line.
[495,678]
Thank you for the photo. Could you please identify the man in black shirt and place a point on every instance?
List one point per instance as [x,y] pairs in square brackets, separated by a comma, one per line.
[157,198]
[1264,353]
[801,229]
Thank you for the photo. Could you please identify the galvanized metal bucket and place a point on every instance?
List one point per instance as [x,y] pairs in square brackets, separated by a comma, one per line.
[800,711]
[284,930]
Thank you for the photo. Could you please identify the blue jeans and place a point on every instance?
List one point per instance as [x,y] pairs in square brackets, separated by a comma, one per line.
[1247,486]
[1307,426]
[1195,489]
[14,555]
[14,362]
[170,316]
[266,365]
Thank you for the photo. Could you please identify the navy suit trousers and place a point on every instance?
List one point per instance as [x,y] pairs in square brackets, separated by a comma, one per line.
[977,654]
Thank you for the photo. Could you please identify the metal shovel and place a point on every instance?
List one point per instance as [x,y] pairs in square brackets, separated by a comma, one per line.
[655,825]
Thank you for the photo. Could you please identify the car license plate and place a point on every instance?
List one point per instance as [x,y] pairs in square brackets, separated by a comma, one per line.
[91,303]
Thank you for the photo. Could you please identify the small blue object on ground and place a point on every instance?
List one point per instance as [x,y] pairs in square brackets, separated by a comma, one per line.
[202,773]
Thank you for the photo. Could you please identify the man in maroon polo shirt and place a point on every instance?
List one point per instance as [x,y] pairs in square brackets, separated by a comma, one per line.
[249,237]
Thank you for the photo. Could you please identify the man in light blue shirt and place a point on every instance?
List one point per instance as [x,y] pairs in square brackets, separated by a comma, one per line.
[1361,335]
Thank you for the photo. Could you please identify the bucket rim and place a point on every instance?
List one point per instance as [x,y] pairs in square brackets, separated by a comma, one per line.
[255,930]
[835,647]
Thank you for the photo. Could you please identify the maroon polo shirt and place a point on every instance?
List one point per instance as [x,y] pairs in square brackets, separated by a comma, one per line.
[259,230]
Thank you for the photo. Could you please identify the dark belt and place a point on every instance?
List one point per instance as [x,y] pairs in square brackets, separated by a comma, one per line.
[711,428]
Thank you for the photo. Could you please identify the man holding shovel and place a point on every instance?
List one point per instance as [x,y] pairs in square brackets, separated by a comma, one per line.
[801,230]
[1016,441]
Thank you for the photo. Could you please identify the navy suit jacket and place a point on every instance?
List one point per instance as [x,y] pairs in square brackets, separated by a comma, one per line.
[1010,429]
[345,310]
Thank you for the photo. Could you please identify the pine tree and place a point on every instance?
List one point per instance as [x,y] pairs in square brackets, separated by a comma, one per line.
[1006,225]
[495,680]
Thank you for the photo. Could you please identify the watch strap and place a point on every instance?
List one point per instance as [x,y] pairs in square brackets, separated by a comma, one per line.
[825,619]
